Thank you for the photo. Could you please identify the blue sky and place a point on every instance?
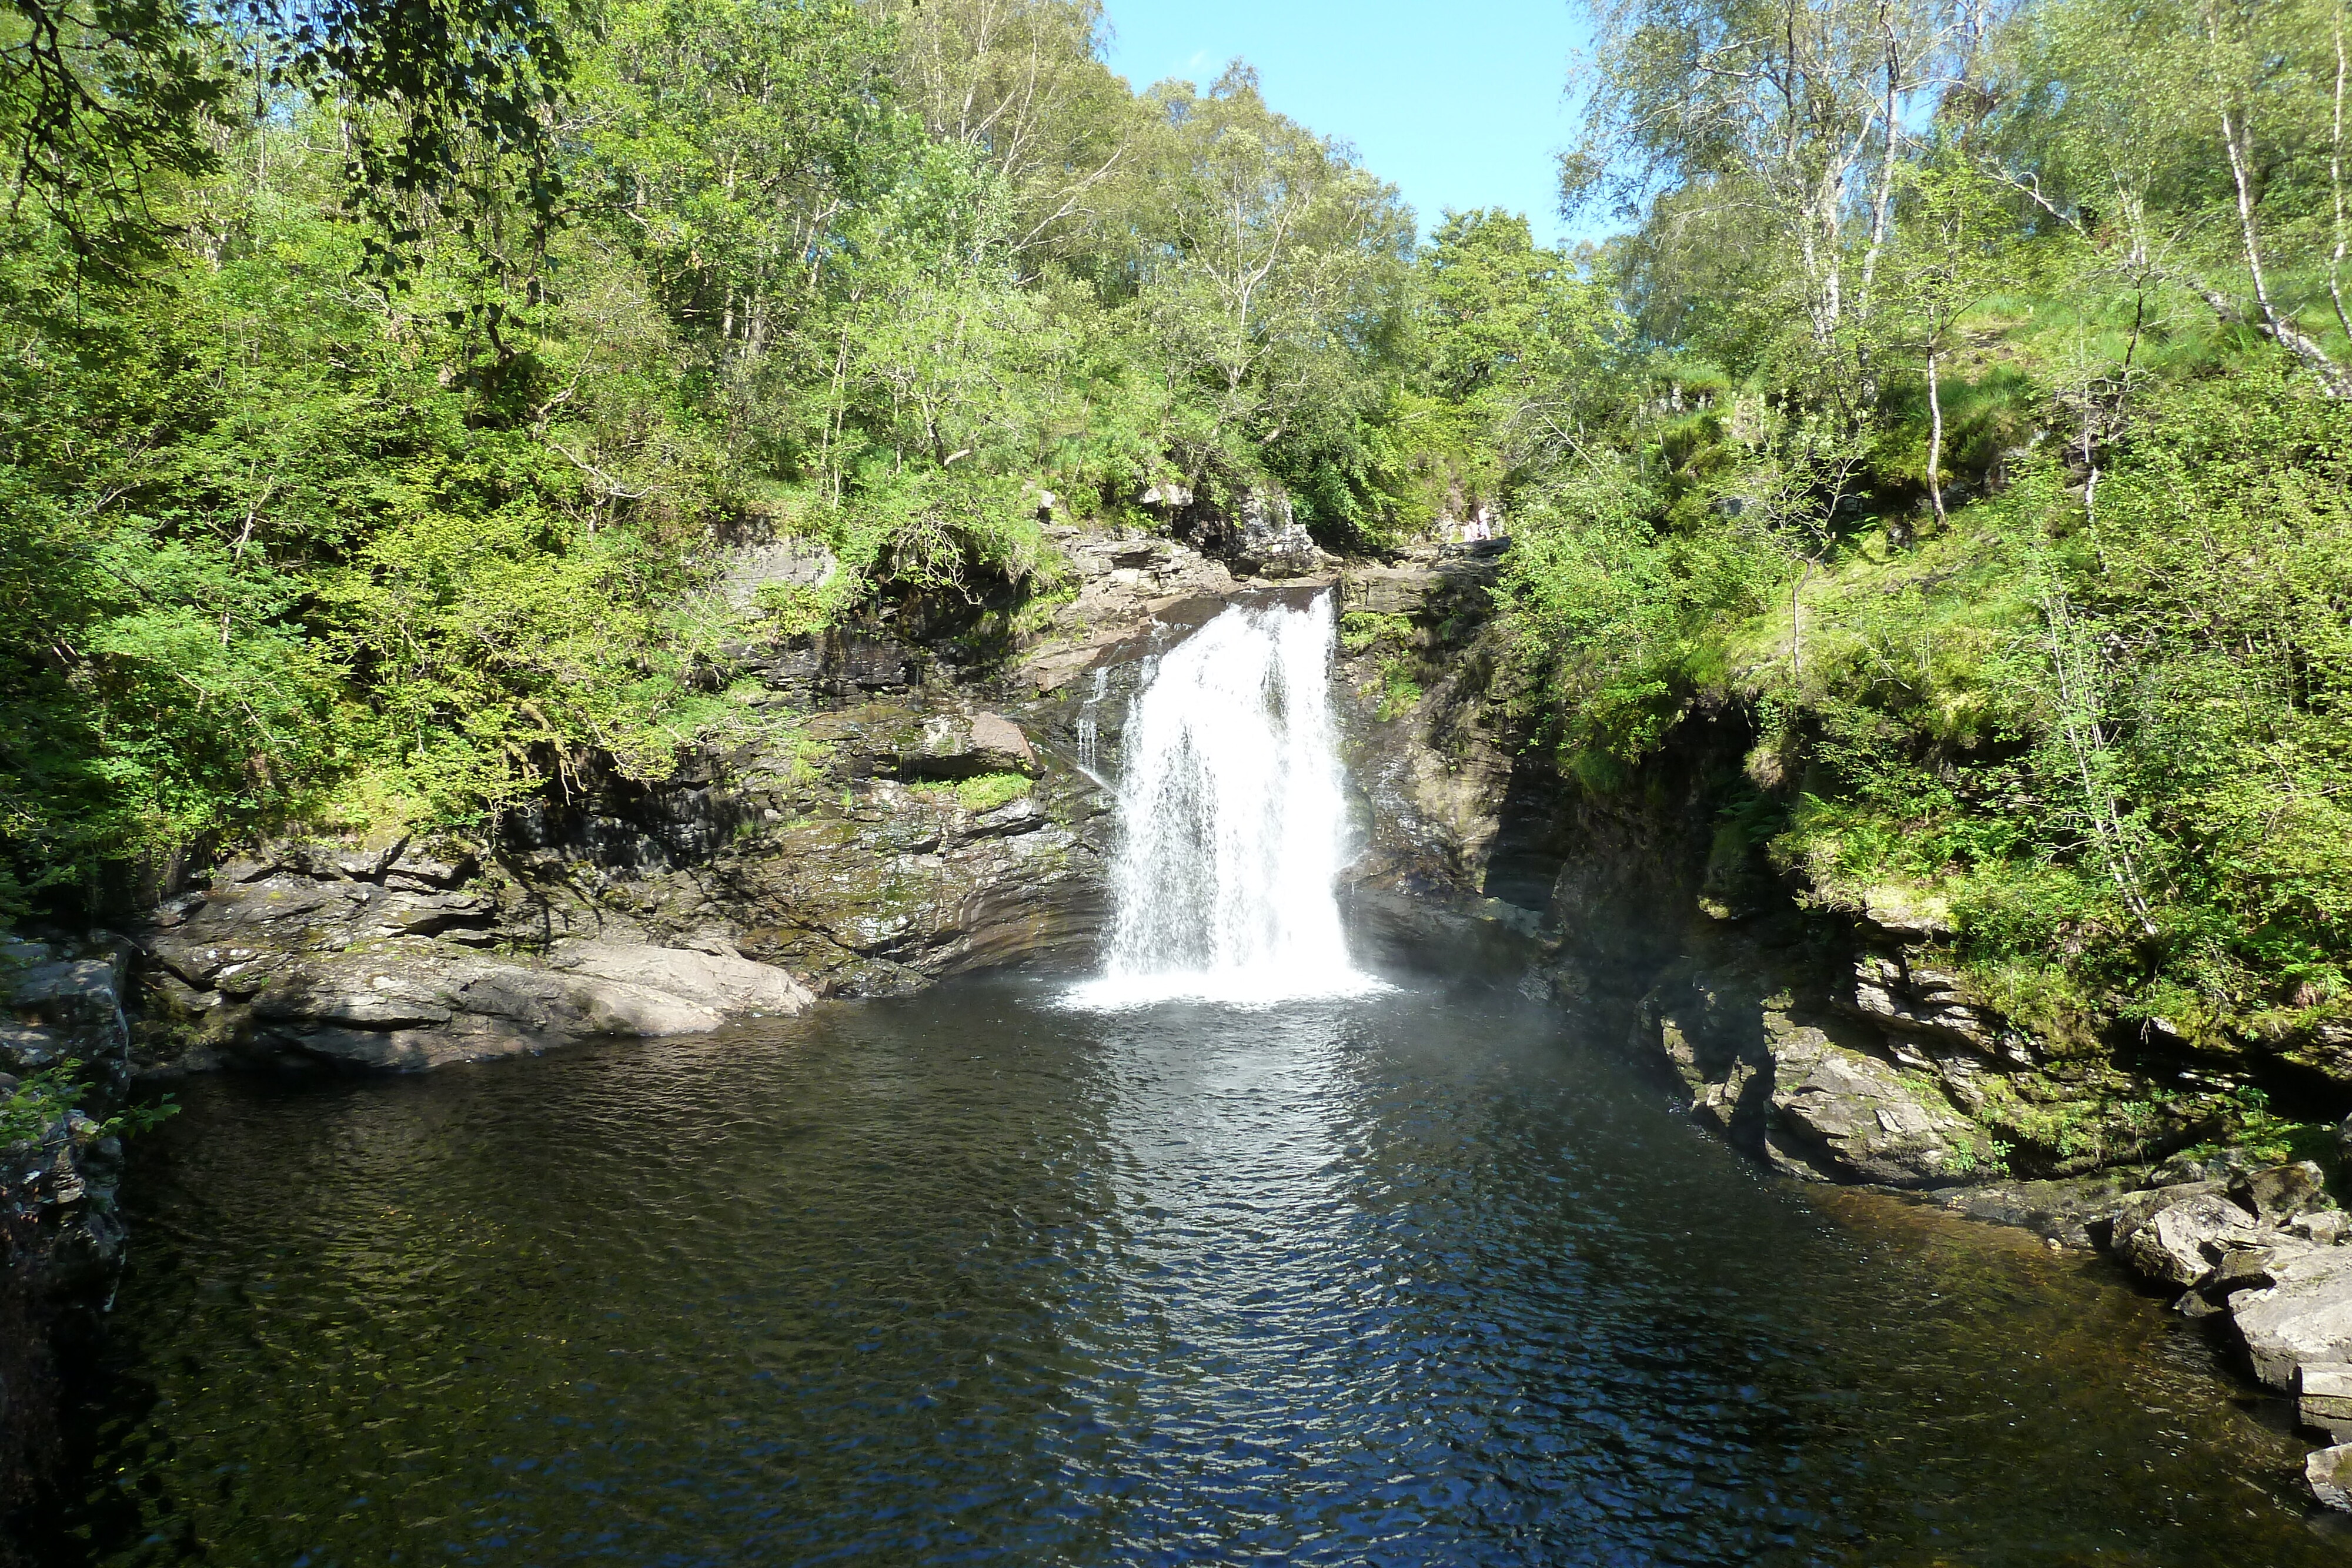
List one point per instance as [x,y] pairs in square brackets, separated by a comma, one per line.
[1457,104]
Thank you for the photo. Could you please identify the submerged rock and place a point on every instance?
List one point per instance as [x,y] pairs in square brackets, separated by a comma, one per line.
[2072,1211]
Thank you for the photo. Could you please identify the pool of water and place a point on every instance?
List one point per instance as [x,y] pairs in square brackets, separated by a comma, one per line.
[1413,1279]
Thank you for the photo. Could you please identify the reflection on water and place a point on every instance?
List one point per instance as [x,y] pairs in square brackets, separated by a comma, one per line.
[966,1278]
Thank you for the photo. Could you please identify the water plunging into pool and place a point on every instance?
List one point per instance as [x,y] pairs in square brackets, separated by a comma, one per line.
[1233,821]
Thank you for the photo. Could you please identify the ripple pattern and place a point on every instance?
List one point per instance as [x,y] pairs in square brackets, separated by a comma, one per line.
[1411,1279]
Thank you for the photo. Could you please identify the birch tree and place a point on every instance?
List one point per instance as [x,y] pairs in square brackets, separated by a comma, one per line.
[1793,111]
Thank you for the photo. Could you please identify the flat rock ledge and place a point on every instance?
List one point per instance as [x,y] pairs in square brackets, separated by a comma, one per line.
[407,1003]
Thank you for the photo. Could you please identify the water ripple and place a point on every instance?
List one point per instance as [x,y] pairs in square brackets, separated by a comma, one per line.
[971,1279]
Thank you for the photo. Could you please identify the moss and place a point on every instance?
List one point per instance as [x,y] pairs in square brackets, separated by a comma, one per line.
[1361,629]
[1399,691]
[982,792]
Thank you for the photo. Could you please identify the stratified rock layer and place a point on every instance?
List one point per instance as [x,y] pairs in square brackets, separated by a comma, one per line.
[842,857]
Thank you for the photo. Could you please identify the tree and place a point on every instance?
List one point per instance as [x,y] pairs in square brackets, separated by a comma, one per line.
[98,98]
[2179,138]
[1951,257]
[1274,263]
[1023,81]
[1789,111]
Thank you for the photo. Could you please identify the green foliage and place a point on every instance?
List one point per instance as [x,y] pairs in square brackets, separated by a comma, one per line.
[1361,629]
[32,1109]
[419,514]
[1400,688]
[422,514]
[1616,619]
[35,1105]
[2094,713]
[980,792]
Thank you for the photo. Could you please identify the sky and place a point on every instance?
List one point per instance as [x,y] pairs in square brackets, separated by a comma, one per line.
[1458,103]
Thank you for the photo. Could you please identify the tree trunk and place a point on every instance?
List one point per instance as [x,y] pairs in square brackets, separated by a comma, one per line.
[2336,182]
[2237,141]
[1935,439]
[1797,624]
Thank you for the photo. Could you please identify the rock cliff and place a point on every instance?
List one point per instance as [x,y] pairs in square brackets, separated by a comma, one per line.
[61,1241]
[893,812]
[889,813]
[1836,1042]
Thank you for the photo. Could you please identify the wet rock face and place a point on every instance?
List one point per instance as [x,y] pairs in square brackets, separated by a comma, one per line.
[1259,537]
[1425,748]
[864,850]
[959,746]
[1860,1116]
[61,1239]
[1803,1089]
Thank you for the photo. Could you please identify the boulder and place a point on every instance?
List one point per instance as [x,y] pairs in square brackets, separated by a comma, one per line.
[67,1007]
[2241,1269]
[786,563]
[1908,914]
[562,1006]
[729,981]
[2323,1399]
[2303,1318]
[2330,1472]
[29,1048]
[408,1005]
[2136,1207]
[1861,1119]
[412,1005]
[2284,1193]
[2179,1243]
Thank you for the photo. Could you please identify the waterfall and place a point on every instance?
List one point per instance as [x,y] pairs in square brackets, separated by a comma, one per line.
[1231,818]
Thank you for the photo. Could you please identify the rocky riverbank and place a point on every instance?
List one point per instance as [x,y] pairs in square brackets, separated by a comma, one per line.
[1840,1041]
[61,1239]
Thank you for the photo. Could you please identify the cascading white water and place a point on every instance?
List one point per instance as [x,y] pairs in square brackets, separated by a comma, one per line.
[1231,818]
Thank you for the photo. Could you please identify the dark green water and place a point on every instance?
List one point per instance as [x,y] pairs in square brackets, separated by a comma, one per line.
[961,1279]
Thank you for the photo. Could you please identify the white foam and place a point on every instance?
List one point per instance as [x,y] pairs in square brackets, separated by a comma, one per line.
[1232,816]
